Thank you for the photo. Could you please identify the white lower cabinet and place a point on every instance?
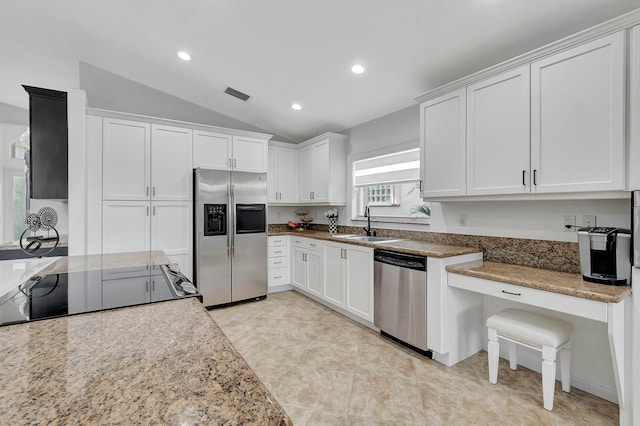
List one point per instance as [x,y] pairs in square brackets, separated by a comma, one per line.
[278,262]
[339,274]
[334,277]
[141,226]
[307,265]
[349,278]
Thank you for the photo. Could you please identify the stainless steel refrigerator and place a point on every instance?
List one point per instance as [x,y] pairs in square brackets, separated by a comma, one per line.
[230,225]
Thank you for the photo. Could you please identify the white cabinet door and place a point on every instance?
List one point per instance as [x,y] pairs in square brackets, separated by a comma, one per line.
[443,140]
[315,273]
[498,149]
[306,173]
[171,159]
[321,171]
[211,150]
[125,291]
[125,226]
[272,175]
[249,154]
[298,268]
[577,118]
[335,274]
[126,153]
[360,282]
[287,175]
[171,230]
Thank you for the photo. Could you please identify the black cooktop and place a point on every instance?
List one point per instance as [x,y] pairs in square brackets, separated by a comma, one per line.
[56,295]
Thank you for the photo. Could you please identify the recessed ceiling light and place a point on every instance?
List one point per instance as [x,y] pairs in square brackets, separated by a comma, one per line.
[357,69]
[184,55]
[297,107]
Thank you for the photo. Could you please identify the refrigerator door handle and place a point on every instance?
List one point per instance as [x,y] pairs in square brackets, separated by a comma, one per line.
[228,231]
[233,207]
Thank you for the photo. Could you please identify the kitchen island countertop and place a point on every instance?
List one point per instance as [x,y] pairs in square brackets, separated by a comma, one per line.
[160,363]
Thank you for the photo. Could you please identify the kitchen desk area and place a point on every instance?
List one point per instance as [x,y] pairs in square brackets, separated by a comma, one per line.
[562,293]
[157,363]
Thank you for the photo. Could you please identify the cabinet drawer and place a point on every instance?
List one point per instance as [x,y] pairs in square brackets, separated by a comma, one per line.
[277,251]
[278,262]
[307,243]
[572,305]
[278,276]
[277,241]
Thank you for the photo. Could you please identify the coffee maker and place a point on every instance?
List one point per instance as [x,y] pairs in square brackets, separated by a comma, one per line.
[605,255]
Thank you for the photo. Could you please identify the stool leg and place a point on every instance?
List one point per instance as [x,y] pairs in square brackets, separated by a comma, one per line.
[513,360]
[565,366]
[548,375]
[494,355]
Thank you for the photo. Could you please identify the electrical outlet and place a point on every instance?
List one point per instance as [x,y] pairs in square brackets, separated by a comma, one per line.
[589,220]
[569,221]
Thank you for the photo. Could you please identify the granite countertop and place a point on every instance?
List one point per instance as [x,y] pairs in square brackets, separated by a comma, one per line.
[542,279]
[160,363]
[420,248]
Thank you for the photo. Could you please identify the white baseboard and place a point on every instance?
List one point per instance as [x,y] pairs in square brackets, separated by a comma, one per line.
[279,288]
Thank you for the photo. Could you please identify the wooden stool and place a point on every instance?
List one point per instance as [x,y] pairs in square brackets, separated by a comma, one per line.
[539,332]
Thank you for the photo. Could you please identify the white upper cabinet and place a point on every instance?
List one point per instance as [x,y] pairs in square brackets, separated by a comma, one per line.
[634,112]
[171,167]
[126,160]
[323,170]
[143,162]
[554,125]
[577,118]
[282,177]
[249,154]
[227,152]
[211,150]
[306,174]
[498,134]
[442,141]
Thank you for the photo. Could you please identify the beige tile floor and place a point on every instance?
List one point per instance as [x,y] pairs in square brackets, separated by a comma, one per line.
[326,369]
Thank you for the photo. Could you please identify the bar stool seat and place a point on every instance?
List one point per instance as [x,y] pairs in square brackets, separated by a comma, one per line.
[542,333]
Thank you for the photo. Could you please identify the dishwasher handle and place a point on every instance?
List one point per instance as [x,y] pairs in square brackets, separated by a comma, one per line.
[401,260]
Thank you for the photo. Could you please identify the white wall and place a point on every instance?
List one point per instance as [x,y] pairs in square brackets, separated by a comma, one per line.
[521,219]
[106,90]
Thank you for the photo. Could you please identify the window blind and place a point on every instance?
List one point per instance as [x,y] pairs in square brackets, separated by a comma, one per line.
[399,167]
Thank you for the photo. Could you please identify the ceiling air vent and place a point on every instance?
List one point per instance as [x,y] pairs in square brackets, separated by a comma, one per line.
[236,93]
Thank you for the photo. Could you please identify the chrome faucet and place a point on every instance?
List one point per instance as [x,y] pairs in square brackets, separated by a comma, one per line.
[367,229]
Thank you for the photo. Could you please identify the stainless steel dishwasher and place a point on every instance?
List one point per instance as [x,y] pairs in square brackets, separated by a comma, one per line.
[400,297]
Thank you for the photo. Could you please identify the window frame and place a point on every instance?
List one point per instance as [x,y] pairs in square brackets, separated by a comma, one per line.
[357,207]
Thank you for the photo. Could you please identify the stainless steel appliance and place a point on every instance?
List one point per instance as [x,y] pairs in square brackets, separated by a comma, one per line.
[230,253]
[400,297]
[56,295]
[605,255]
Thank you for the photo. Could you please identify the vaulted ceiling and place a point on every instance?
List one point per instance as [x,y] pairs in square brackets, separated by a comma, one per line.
[281,51]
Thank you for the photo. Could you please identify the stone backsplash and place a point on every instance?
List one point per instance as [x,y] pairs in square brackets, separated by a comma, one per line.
[556,255]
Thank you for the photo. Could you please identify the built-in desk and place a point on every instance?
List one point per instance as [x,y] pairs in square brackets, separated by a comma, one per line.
[562,292]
